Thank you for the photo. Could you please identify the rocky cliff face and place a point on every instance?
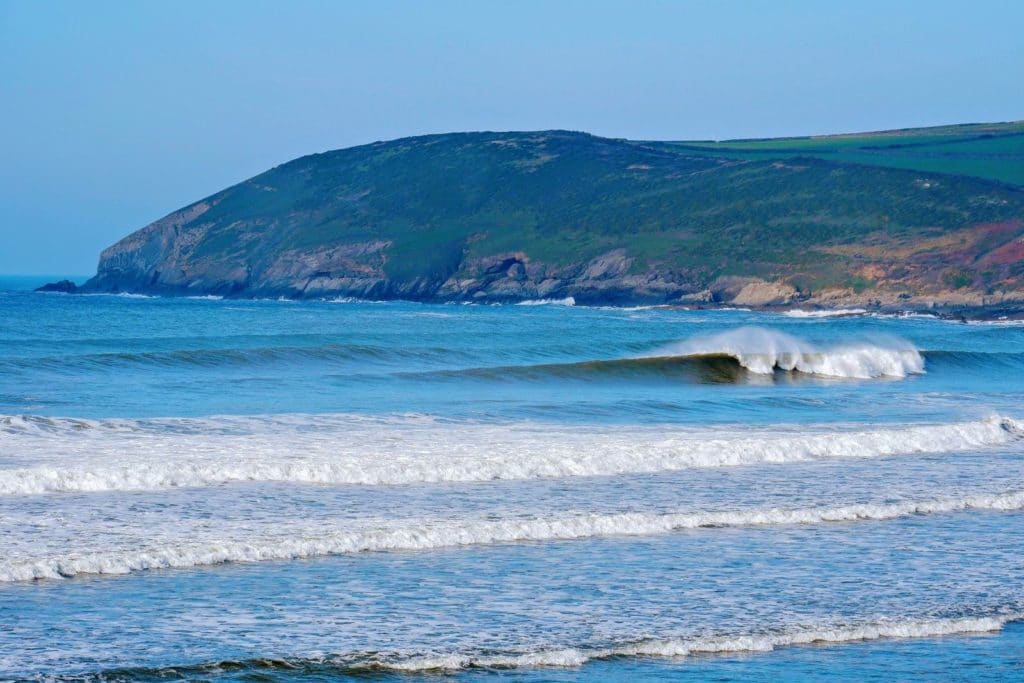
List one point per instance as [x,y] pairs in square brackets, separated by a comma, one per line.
[499,217]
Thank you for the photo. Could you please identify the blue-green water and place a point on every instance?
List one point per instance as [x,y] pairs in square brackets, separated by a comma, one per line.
[264,490]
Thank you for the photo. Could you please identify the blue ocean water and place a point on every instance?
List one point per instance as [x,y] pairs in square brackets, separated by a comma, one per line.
[276,490]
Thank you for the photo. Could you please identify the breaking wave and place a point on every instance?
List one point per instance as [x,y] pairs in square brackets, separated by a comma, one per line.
[762,351]
[449,534]
[824,313]
[567,301]
[707,368]
[736,356]
[64,455]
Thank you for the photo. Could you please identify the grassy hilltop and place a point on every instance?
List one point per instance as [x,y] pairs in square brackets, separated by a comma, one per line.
[891,217]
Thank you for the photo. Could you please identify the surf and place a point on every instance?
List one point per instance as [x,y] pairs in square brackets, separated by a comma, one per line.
[433,535]
[80,456]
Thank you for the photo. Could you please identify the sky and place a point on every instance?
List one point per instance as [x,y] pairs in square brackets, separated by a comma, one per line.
[113,114]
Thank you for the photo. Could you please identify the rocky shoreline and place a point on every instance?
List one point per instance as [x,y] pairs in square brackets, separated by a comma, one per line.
[756,296]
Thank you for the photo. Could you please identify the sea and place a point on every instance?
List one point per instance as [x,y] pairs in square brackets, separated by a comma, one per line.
[244,490]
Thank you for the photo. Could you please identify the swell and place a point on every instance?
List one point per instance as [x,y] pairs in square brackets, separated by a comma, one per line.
[704,368]
[962,360]
[336,451]
[359,664]
[714,368]
[432,535]
[730,357]
[216,357]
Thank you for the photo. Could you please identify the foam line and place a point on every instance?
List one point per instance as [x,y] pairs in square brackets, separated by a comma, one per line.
[120,457]
[430,535]
[686,647]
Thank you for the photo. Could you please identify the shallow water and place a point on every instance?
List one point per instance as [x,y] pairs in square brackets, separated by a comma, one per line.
[212,489]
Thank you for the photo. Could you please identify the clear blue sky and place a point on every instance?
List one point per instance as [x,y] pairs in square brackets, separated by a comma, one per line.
[113,114]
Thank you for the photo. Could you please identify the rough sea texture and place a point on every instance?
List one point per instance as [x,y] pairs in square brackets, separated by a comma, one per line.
[268,490]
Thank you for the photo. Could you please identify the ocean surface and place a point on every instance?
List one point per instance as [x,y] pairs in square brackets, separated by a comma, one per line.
[274,490]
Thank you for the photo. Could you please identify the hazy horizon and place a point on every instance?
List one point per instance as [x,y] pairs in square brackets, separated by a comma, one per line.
[111,124]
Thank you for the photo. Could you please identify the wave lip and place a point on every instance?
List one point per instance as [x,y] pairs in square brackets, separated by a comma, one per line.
[762,350]
[448,534]
[435,454]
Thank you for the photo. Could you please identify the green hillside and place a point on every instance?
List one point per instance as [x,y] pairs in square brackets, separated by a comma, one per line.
[991,150]
[506,216]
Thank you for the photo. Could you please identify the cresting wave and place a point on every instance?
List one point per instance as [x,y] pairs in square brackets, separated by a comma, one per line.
[703,368]
[338,450]
[448,534]
[763,350]
[357,663]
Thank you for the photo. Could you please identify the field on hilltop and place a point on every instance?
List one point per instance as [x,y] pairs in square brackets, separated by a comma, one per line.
[994,151]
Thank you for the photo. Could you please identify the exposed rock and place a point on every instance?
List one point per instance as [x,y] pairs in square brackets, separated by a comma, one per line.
[66,286]
[763,293]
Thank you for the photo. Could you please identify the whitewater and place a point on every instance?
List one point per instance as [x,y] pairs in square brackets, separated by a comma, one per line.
[218,489]
[433,535]
[96,456]
[763,351]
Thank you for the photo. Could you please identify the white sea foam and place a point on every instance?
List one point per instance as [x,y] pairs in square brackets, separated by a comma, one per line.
[48,455]
[121,295]
[998,323]
[763,350]
[905,315]
[567,301]
[828,634]
[833,313]
[428,535]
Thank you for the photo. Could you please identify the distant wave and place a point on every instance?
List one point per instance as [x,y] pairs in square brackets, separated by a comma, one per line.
[447,534]
[121,295]
[85,456]
[1007,322]
[567,301]
[763,350]
[214,357]
[827,313]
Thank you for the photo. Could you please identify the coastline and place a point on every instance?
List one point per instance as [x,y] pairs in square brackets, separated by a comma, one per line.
[965,307]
